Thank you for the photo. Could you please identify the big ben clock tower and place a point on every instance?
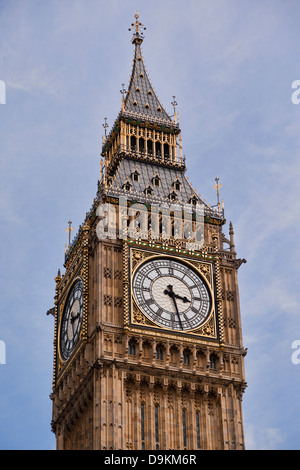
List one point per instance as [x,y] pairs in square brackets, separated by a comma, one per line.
[148,351]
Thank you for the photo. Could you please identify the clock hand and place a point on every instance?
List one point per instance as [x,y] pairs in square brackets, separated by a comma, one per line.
[184,299]
[169,292]
[176,308]
[74,317]
[173,295]
[72,323]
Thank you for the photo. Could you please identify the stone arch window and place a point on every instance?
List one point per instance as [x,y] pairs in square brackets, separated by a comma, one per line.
[132,347]
[213,358]
[186,357]
[159,352]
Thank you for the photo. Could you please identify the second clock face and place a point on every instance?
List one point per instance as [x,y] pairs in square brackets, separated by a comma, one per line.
[172,294]
[71,320]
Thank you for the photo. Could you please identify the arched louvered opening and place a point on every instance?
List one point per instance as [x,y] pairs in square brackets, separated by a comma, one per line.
[142,145]
[166,151]
[158,149]
[149,147]
[133,142]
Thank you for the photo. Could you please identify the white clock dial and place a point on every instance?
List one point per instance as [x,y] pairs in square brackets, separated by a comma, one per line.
[171,293]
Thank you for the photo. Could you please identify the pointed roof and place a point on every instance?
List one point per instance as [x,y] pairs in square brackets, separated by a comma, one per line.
[146,174]
[141,100]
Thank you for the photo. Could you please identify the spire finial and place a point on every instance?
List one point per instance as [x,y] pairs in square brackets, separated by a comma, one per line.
[138,36]
[105,125]
[174,104]
[123,92]
[217,186]
[70,230]
[231,233]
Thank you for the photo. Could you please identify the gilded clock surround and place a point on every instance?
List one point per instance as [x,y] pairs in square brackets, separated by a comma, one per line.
[62,308]
[139,319]
[77,268]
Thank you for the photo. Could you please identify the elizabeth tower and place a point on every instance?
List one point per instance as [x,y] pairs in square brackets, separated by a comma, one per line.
[148,350]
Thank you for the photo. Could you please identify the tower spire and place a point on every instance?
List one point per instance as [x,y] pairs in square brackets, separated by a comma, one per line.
[141,99]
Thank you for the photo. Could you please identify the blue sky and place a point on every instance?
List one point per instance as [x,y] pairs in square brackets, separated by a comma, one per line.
[231,64]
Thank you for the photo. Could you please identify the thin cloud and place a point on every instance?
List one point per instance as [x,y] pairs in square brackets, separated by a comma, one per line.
[258,438]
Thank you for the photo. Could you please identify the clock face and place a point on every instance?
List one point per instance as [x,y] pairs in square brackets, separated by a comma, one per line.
[171,294]
[71,320]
